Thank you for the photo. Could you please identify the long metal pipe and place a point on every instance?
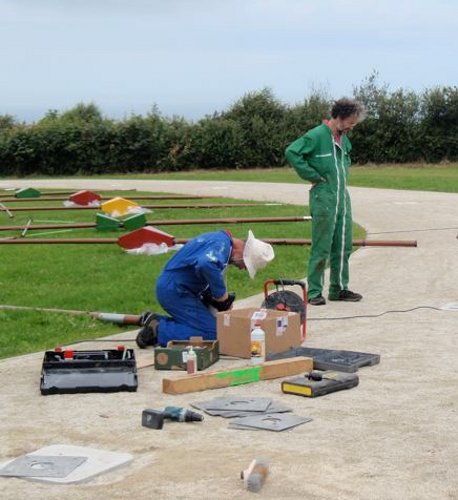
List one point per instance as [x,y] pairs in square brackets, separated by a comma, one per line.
[12,197]
[176,222]
[122,319]
[146,197]
[272,241]
[155,207]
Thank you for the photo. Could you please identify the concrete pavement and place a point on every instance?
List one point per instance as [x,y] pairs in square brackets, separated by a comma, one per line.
[392,437]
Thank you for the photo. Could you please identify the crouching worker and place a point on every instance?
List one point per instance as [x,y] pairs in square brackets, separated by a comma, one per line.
[192,285]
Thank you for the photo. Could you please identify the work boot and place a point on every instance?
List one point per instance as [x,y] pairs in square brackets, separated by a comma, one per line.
[145,317]
[347,296]
[317,301]
[147,335]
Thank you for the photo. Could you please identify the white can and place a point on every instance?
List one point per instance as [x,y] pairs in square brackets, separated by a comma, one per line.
[258,345]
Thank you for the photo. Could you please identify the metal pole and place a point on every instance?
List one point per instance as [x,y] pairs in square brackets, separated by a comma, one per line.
[356,243]
[52,193]
[121,319]
[146,197]
[272,241]
[229,220]
[60,241]
[81,225]
[155,207]
[176,222]
[3,207]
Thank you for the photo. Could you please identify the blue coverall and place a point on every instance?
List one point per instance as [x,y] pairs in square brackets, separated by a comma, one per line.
[198,265]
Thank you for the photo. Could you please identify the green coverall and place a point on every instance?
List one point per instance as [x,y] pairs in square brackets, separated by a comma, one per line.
[319,159]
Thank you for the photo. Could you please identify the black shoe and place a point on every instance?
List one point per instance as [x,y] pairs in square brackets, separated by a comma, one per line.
[146,317]
[147,335]
[317,301]
[347,296]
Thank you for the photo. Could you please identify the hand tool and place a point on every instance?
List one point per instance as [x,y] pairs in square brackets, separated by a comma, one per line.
[155,418]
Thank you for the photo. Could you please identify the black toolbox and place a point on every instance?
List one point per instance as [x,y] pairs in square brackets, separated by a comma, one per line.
[330,359]
[68,371]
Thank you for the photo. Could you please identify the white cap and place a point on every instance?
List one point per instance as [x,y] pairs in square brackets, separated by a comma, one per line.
[256,254]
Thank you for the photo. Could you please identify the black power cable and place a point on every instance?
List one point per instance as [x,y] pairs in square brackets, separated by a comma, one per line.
[308,319]
[376,315]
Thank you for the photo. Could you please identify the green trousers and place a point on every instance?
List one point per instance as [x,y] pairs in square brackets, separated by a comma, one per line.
[331,240]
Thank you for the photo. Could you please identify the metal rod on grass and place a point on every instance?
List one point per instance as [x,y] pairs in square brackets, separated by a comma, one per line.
[272,241]
[136,197]
[155,207]
[13,197]
[121,319]
[175,222]
[3,207]
[26,228]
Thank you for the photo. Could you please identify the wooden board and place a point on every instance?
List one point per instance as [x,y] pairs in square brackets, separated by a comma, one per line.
[237,376]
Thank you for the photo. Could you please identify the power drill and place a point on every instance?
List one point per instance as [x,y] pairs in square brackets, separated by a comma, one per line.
[155,418]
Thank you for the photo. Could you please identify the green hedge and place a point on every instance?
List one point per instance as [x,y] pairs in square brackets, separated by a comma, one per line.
[401,126]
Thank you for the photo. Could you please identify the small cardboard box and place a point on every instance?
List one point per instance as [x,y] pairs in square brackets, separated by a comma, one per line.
[282,329]
[174,356]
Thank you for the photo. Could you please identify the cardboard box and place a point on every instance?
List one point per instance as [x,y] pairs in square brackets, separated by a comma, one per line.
[282,329]
[174,356]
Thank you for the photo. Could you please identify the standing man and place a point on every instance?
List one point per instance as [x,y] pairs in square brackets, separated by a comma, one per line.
[322,157]
[192,284]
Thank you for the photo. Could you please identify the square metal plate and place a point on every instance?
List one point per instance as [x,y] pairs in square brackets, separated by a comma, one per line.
[42,466]
[273,422]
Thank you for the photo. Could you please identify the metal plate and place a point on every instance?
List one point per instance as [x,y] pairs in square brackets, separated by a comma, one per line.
[97,462]
[42,466]
[239,404]
[274,422]
[274,407]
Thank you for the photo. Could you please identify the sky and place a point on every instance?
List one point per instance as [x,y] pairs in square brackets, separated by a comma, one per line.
[192,58]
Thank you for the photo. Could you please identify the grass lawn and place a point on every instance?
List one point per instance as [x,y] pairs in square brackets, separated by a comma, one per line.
[442,178]
[104,278]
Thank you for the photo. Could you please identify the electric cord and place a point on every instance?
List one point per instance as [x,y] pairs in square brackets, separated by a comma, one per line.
[376,315]
[413,230]
[308,319]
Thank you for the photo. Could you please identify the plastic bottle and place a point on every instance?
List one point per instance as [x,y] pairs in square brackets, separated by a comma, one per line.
[258,345]
[191,363]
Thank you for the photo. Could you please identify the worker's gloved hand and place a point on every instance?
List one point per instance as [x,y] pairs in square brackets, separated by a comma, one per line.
[208,300]
[225,305]
[206,297]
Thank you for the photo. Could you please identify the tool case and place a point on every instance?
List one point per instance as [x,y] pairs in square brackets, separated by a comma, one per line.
[330,359]
[69,371]
[319,383]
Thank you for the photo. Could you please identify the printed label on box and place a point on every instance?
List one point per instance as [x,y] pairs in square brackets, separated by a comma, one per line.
[227,320]
[282,325]
[259,315]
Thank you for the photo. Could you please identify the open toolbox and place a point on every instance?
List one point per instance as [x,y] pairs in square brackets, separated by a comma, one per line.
[331,359]
[70,371]
[175,355]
